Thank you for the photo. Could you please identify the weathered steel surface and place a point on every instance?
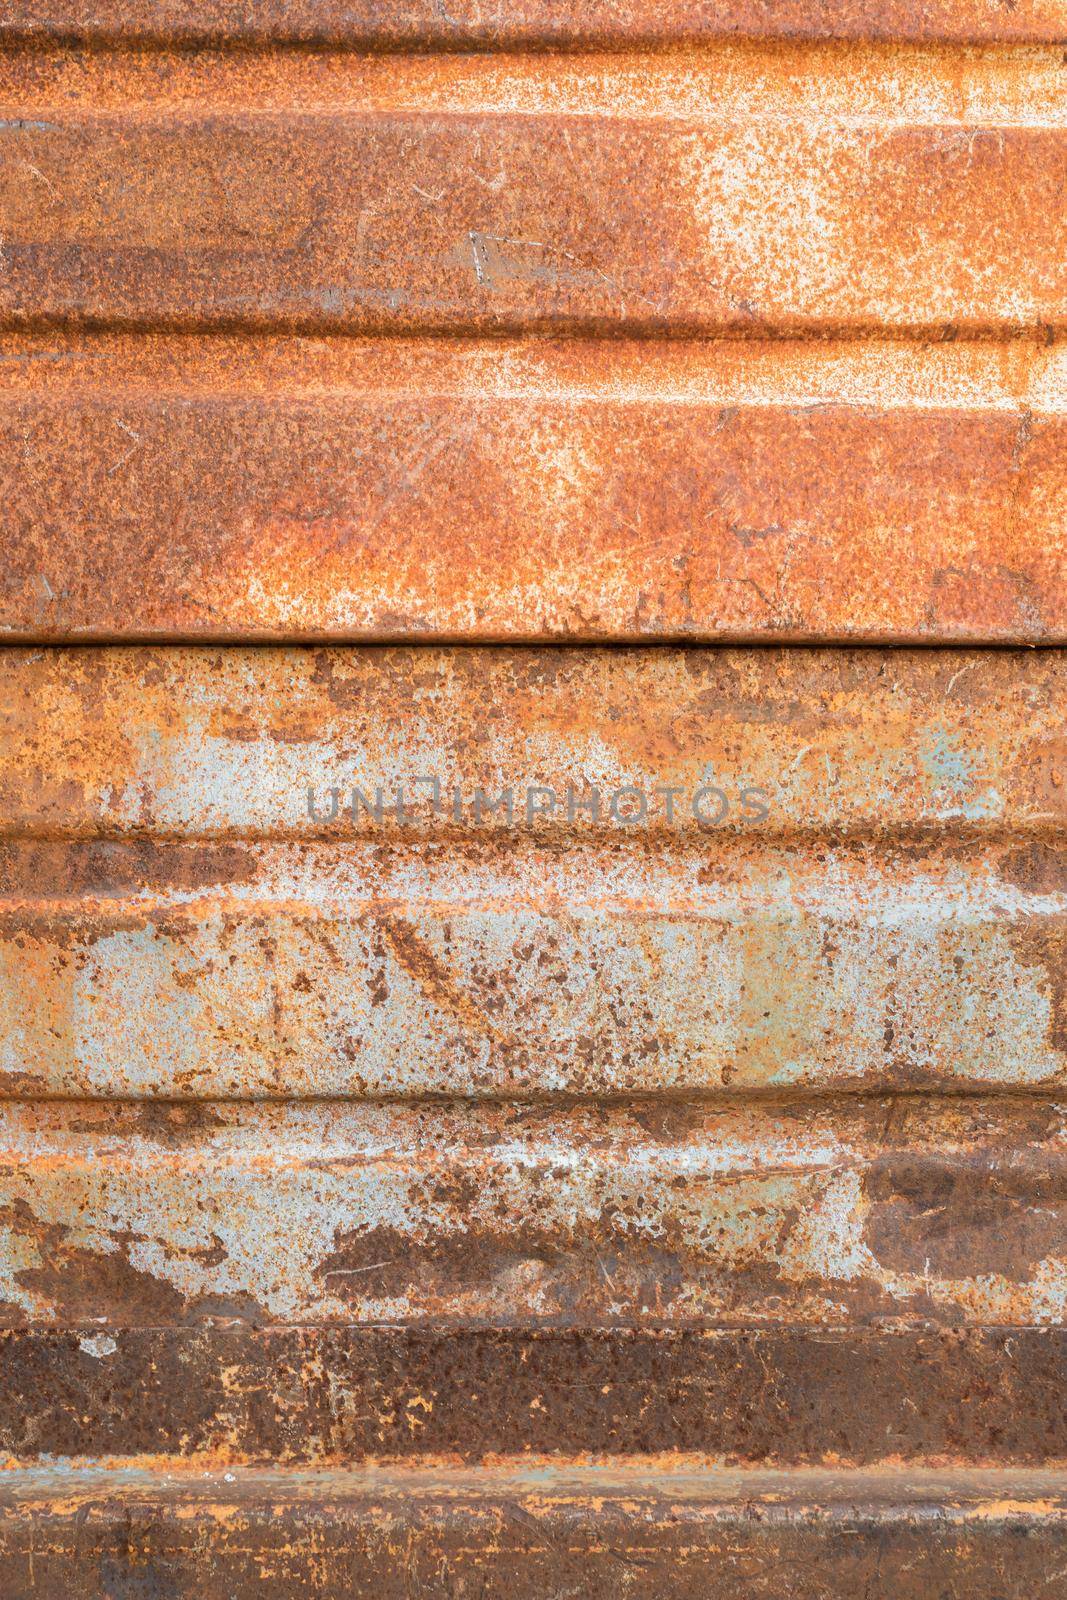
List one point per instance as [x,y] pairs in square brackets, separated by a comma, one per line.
[227,1393]
[363,220]
[223,744]
[503,969]
[502,1093]
[530,1531]
[525,22]
[849,872]
[537,490]
[936,1210]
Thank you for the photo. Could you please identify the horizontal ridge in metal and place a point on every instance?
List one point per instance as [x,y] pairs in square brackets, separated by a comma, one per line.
[746,341]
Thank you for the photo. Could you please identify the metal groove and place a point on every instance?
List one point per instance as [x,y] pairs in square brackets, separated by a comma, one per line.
[480,1116]
[516,1529]
[415,24]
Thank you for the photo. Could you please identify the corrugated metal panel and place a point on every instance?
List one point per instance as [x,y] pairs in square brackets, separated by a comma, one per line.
[531,873]
[872,487]
[528,22]
[527,1532]
[663,1216]
[520,975]
[536,490]
[483,1117]
[454,199]
[201,744]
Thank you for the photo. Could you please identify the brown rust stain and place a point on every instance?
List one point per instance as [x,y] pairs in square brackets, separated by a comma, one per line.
[1037,868]
[417,23]
[93,1285]
[1044,950]
[591,1145]
[643,1277]
[847,1397]
[928,1214]
[929,1210]
[110,868]
[101,1286]
[438,984]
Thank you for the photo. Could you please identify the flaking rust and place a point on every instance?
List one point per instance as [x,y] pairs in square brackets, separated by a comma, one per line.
[251,873]
[479,1116]
[651,1215]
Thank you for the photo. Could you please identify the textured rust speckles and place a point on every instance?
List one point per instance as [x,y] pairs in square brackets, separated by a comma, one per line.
[526,1531]
[447,1215]
[513,969]
[597,223]
[204,742]
[416,23]
[894,84]
[386,499]
[843,1397]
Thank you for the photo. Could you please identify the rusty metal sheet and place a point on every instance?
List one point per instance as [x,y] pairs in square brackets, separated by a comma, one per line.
[531,874]
[225,743]
[286,214]
[526,1530]
[480,490]
[945,1211]
[256,972]
[418,23]
[866,485]
[756,975]
[223,1392]
[477,1116]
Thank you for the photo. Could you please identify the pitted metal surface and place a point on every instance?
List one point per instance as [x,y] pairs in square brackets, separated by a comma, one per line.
[533,1016]
[849,427]
[531,874]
